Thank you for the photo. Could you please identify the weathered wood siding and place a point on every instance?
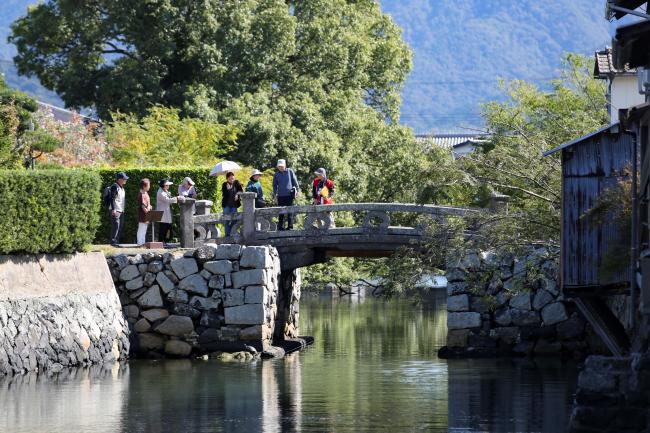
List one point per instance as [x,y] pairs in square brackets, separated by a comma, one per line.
[588,169]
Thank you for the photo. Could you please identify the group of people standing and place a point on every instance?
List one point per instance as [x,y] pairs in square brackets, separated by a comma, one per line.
[116,201]
[286,190]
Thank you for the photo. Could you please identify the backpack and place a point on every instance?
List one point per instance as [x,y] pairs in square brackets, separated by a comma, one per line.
[107,196]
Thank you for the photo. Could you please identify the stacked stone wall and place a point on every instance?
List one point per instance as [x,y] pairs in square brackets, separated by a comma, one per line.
[58,311]
[502,304]
[197,301]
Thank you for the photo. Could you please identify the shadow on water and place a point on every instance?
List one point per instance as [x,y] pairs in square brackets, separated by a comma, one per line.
[372,368]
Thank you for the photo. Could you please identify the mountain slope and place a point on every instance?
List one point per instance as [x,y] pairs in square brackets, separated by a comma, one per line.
[461,49]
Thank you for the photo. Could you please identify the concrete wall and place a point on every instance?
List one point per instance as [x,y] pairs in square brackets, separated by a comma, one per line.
[58,310]
[213,298]
[503,305]
[624,94]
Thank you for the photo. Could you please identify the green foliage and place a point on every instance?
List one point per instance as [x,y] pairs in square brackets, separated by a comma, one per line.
[48,211]
[162,138]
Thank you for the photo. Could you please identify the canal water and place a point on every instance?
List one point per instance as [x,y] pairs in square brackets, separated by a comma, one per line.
[373,368]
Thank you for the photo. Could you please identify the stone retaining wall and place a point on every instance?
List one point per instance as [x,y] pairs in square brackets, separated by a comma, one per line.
[57,311]
[613,395]
[208,299]
[501,304]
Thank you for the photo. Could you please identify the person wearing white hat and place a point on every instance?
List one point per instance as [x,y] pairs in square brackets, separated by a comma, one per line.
[286,189]
[254,185]
[187,188]
[164,200]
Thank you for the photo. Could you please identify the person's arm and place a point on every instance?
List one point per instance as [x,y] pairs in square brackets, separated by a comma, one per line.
[294,180]
[113,198]
[275,184]
[193,193]
[166,198]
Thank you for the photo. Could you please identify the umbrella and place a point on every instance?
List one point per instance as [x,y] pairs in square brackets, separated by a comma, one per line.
[224,167]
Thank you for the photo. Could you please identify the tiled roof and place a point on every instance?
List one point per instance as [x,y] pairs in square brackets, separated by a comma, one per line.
[604,65]
[448,141]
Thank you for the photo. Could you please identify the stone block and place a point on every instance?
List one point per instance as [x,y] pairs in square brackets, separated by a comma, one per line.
[176,326]
[177,348]
[249,314]
[155,314]
[151,341]
[255,333]
[149,279]
[458,303]
[251,277]
[542,299]
[457,338]
[142,268]
[503,317]
[463,320]
[155,266]
[171,275]
[508,334]
[185,310]
[202,303]
[184,267]
[481,341]
[121,260]
[524,318]
[228,280]
[554,313]
[232,297]
[205,253]
[227,252]
[205,274]
[217,282]
[546,347]
[178,296]
[132,311]
[255,295]
[211,319]
[457,288]
[255,257]
[136,259]
[570,329]
[151,298]
[134,284]
[128,273]
[479,304]
[142,325]
[219,267]
[210,335]
[521,301]
[194,284]
[455,275]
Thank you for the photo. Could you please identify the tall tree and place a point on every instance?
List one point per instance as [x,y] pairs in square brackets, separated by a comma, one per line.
[300,80]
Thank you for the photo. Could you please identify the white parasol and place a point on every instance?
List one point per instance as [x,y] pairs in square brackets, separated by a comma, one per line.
[224,167]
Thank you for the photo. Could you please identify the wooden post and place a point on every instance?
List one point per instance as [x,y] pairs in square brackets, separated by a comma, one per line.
[248,217]
[187,222]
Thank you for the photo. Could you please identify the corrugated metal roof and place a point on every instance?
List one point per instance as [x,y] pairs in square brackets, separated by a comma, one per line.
[613,128]
[448,141]
[604,65]
[63,114]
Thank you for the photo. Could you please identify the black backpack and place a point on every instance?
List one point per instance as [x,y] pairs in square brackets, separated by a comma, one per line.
[107,196]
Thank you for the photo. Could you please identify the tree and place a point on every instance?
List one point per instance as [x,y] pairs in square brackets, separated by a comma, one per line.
[314,82]
[21,141]
[163,138]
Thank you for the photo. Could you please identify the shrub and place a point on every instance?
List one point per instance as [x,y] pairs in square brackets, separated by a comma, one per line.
[47,211]
[209,188]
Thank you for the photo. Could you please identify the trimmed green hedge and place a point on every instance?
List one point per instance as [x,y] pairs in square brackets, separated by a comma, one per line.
[47,211]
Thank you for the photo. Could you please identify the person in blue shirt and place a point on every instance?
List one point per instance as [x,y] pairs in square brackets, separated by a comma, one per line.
[254,185]
[286,189]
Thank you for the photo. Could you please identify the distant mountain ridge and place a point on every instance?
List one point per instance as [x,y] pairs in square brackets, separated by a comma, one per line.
[461,49]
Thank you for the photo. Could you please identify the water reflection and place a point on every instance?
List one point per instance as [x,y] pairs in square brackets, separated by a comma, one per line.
[373,368]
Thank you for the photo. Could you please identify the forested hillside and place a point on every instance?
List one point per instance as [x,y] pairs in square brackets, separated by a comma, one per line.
[461,50]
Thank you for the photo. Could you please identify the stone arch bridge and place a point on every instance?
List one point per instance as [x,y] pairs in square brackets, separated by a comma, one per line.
[315,236]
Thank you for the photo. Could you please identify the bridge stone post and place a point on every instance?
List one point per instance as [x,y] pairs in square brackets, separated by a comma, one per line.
[187,222]
[288,304]
[248,217]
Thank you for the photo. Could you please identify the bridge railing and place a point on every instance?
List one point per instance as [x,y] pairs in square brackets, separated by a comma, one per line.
[258,225]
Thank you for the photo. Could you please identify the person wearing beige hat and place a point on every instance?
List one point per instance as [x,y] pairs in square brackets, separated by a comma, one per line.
[187,188]
[254,185]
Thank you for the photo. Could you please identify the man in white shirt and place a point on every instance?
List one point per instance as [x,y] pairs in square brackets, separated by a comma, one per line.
[118,203]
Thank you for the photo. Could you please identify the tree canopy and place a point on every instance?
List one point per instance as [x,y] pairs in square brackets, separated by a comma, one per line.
[305,81]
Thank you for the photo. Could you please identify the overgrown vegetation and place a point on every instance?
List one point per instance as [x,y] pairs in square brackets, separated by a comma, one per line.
[48,211]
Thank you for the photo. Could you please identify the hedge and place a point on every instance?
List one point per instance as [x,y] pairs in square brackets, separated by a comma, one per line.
[208,189]
[48,211]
